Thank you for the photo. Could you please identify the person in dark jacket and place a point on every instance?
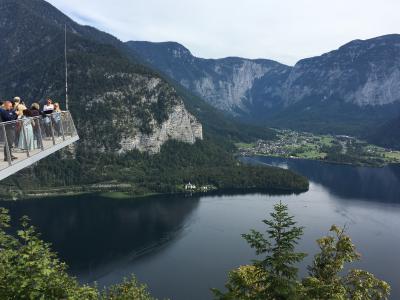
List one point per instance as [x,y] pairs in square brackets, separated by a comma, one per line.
[8,114]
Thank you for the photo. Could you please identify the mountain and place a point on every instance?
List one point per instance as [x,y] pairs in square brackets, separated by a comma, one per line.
[349,90]
[365,73]
[138,132]
[232,84]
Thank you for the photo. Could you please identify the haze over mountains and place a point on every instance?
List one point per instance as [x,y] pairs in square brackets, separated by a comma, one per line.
[349,90]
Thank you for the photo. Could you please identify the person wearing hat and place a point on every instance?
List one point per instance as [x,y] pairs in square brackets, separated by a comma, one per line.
[16,101]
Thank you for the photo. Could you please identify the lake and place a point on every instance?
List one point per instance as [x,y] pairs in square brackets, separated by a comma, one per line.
[183,246]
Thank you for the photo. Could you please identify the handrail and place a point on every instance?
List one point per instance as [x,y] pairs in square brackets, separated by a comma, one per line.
[42,115]
[28,136]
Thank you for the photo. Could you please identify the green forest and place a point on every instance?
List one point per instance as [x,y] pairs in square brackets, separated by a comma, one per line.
[205,163]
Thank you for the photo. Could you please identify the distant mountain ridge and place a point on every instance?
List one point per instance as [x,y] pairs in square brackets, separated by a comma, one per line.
[348,90]
[225,83]
[362,72]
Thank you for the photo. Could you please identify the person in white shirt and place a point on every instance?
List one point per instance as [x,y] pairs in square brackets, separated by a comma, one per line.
[48,108]
[49,105]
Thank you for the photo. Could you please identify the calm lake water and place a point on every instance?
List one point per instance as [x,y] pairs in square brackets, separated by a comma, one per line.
[183,246]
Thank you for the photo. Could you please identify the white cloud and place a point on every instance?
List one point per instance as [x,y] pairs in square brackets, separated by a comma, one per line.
[283,30]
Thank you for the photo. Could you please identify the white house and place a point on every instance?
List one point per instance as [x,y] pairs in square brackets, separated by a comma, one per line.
[190,187]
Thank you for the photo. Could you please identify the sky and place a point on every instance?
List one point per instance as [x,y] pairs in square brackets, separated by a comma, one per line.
[282,30]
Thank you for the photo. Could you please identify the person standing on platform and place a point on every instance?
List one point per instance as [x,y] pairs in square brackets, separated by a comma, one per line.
[35,111]
[19,107]
[57,118]
[8,114]
[27,138]
[48,109]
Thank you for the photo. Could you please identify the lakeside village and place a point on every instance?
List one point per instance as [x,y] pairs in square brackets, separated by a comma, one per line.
[331,148]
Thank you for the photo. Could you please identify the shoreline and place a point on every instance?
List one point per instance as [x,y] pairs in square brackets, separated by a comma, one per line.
[125,194]
[377,166]
[118,191]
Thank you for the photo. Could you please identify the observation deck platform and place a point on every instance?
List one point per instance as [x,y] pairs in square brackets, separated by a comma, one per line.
[26,141]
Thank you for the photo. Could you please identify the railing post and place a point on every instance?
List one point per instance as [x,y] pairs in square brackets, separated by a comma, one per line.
[6,146]
[73,125]
[40,133]
[25,137]
[62,126]
[52,129]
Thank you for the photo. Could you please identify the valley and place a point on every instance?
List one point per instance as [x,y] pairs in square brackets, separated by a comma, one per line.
[341,149]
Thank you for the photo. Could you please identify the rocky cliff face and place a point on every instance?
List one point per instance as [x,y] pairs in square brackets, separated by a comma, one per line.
[226,83]
[144,112]
[180,126]
[228,90]
[364,73]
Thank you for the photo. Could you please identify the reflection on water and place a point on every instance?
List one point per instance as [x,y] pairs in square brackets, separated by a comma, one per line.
[95,233]
[183,246]
[380,184]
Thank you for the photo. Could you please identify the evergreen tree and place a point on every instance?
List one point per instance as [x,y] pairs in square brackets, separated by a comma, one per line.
[279,249]
[275,276]
[277,266]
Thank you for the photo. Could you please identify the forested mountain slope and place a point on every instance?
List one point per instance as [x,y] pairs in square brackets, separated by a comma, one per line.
[387,135]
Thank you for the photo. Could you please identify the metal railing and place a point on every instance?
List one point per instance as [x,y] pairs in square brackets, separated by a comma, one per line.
[25,137]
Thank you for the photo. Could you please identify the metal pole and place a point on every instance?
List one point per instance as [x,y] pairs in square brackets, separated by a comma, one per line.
[66,67]
[6,144]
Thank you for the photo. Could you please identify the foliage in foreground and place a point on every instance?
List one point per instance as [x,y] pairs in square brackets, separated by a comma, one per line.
[30,270]
[275,275]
